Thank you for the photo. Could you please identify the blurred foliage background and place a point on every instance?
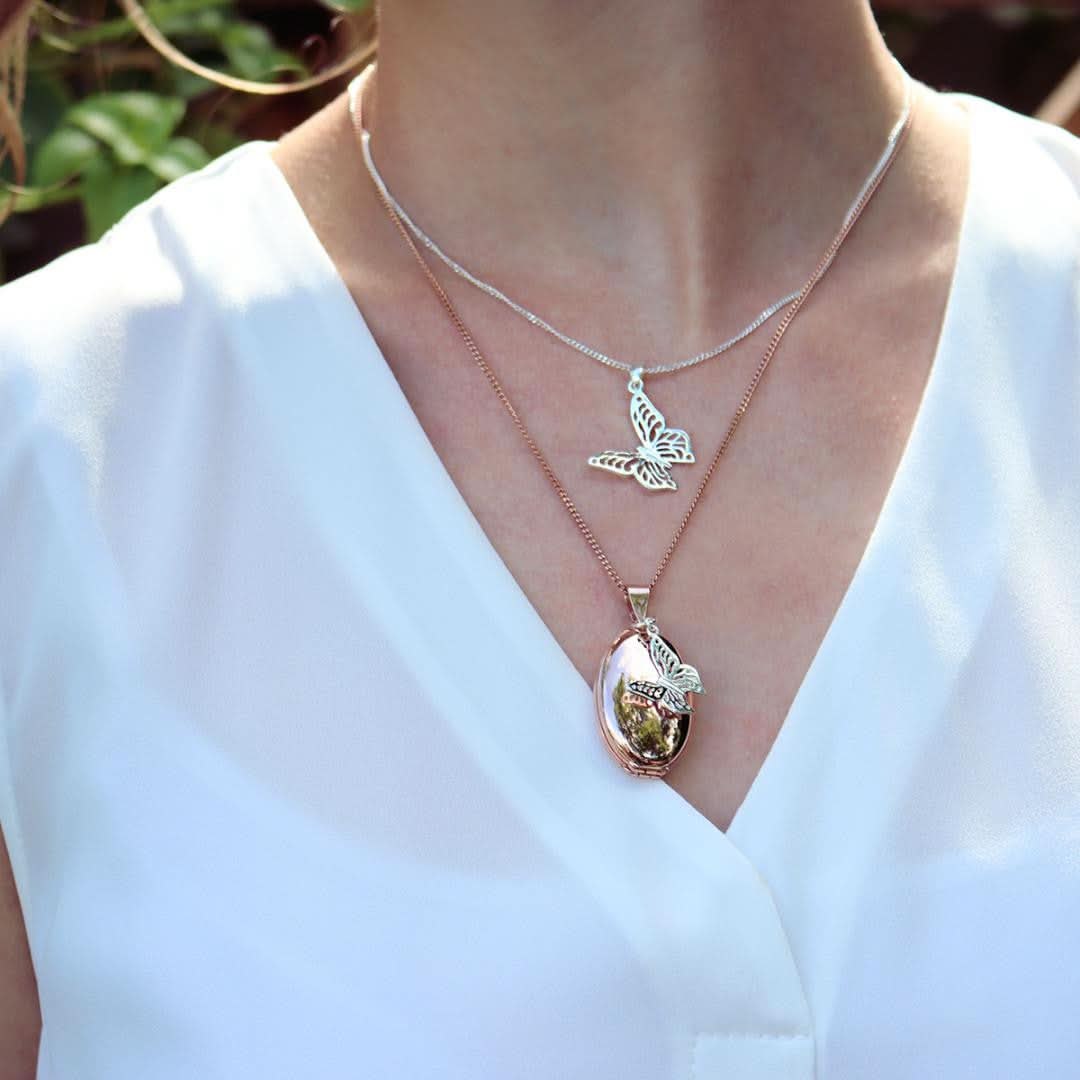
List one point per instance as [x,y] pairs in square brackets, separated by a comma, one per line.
[108,119]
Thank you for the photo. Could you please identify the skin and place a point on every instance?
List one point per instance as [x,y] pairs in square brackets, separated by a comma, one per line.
[648,183]
[613,192]
[20,1020]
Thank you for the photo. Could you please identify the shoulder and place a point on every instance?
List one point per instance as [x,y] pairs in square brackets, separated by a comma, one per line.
[1011,339]
[159,257]
[1017,284]
[119,358]
[132,316]
[1028,143]
[1025,193]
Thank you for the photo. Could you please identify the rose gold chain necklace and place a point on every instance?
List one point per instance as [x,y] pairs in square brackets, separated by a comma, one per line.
[644,692]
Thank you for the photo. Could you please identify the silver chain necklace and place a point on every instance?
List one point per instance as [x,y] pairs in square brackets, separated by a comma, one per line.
[659,446]
[644,692]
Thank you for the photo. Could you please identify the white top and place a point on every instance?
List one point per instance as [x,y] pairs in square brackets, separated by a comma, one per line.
[268,819]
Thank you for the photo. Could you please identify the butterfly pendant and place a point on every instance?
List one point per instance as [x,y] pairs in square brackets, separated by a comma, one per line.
[674,680]
[659,447]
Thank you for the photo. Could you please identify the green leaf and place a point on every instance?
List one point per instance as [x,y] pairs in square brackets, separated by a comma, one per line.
[36,198]
[186,84]
[110,191]
[63,155]
[252,53]
[218,138]
[134,124]
[350,7]
[171,17]
[46,102]
[164,13]
[195,24]
[181,155]
[47,99]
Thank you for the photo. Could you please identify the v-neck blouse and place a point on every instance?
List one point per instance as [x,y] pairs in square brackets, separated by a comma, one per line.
[271,814]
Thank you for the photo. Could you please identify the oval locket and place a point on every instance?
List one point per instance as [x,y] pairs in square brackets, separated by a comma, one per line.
[644,701]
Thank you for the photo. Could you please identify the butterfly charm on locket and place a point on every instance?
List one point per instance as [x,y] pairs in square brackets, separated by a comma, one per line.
[674,681]
[659,447]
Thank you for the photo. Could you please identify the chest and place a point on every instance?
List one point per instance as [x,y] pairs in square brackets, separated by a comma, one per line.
[773,544]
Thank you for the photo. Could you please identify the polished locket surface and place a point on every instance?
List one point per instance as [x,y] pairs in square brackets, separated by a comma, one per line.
[639,727]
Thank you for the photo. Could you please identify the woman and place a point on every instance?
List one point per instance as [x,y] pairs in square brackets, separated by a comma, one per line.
[301,771]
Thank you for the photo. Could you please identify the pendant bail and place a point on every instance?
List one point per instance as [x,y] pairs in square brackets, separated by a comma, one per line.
[637,596]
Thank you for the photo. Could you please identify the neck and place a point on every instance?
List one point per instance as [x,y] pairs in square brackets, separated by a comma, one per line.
[682,153]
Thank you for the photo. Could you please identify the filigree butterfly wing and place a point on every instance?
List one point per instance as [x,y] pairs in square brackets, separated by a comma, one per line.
[652,474]
[673,445]
[647,419]
[677,678]
[616,461]
[663,655]
[682,676]
[687,679]
[660,447]
[651,691]
[663,693]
